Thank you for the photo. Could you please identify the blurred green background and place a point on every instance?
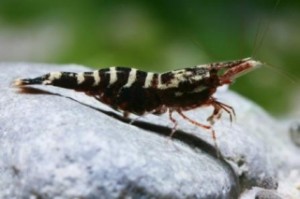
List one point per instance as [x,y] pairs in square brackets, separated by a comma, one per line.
[163,35]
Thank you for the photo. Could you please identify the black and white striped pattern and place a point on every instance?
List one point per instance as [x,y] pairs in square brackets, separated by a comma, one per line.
[136,91]
[126,77]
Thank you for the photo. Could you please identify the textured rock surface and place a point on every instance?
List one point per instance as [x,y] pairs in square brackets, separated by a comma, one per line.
[60,143]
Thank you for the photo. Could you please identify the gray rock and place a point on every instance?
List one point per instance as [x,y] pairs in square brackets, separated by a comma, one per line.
[266,194]
[295,132]
[57,143]
[259,193]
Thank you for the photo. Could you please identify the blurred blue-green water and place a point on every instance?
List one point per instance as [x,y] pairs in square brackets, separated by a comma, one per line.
[162,35]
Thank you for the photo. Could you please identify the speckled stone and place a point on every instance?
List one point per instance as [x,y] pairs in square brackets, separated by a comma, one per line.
[57,143]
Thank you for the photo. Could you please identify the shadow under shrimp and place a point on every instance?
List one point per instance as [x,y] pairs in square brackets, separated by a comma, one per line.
[180,135]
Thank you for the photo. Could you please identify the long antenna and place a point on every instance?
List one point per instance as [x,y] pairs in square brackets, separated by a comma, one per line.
[256,37]
[282,73]
[258,42]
